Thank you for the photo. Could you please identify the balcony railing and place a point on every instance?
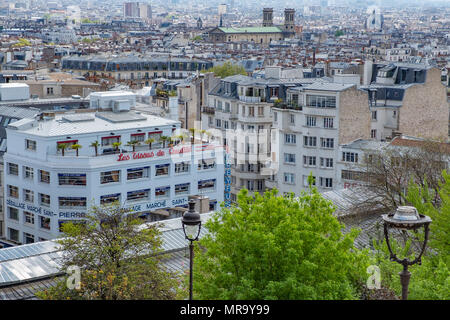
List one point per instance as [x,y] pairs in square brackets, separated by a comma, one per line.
[287,105]
[250,99]
[209,110]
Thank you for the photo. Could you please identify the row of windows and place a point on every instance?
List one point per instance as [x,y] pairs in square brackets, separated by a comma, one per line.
[80,202]
[289,178]
[13,235]
[79,179]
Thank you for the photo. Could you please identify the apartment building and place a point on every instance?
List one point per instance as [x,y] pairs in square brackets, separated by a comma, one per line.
[408,98]
[240,116]
[47,183]
[308,129]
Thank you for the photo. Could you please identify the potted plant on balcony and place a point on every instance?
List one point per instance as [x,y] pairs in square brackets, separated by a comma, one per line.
[149,141]
[116,145]
[133,144]
[75,147]
[163,139]
[62,147]
[95,145]
[192,131]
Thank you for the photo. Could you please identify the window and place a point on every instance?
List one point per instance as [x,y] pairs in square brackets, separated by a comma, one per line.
[290,138]
[205,164]
[182,188]
[72,202]
[109,198]
[137,137]
[225,125]
[28,173]
[162,192]
[155,135]
[351,175]
[44,223]
[289,178]
[28,238]
[72,179]
[50,91]
[374,115]
[13,234]
[306,183]
[13,169]
[320,101]
[309,161]
[206,184]
[326,162]
[251,111]
[260,111]
[13,213]
[309,141]
[327,143]
[182,167]
[349,157]
[138,173]
[275,116]
[44,199]
[326,182]
[110,176]
[28,195]
[13,191]
[44,176]
[108,141]
[394,113]
[30,144]
[162,169]
[373,133]
[28,217]
[292,118]
[138,195]
[328,122]
[311,121]
[289,158]
[218,123]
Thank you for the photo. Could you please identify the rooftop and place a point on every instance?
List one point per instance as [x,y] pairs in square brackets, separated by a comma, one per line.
[63,125]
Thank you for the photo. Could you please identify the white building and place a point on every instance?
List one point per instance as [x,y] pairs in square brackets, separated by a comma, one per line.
[308,130]
[45,188]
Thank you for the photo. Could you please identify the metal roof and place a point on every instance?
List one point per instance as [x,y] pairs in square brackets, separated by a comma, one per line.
[41,260]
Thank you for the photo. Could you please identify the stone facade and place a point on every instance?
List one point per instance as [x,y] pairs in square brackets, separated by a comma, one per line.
[425,110]
[354,116]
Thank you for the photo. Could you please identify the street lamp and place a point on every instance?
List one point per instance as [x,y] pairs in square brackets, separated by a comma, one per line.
[191,226]
[406,218]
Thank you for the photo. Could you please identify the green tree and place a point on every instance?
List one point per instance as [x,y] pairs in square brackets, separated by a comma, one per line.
[133,144]
[76,147]
[116,145]
[275,247]
[227,69]
[62,147]
[95,145]
[118,259]
[149,141]
[339,33]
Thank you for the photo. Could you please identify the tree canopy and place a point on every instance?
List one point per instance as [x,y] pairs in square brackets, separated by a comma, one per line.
[227,69]
[278,247]
[117,259]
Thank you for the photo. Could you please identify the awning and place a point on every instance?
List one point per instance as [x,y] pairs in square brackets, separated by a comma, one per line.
[162,212]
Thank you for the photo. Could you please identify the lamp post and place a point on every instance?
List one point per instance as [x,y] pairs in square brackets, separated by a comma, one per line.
[191,226]
[406,218]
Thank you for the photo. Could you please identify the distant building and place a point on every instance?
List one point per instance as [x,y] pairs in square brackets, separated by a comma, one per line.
[375,19]
[137,10]
[258,35]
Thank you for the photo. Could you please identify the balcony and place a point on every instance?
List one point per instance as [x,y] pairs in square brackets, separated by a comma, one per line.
[208,110]
[250,99]
[288,106]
